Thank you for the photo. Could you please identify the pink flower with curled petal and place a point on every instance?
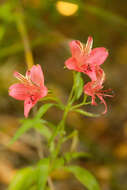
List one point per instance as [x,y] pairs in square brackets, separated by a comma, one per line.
[84,58]
[31,88]
[94,88]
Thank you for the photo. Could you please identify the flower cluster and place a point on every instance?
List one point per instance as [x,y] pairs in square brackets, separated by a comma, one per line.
[87,60]
[84,59]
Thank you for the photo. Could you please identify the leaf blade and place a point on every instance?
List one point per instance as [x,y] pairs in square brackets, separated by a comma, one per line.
[23,179]
[40,127]
[27,124]
[43,109]
[86,113]
[42,173]
[75,155]
[84,176]
[78,82]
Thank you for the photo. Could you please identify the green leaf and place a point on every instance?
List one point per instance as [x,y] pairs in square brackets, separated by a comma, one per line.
[58,163]
[51,125]
[42,173]
[43,109]
[42,129]
[84,176]
[6,12]
[24,179]
[2,32]
[75,155]
[78,83]
[86,113]
[56,99]
[27,124]
[55,133]
[33,188]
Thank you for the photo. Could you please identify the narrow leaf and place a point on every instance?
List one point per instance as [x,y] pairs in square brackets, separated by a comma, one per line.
[86,113]
[27,124]
[42,173]
[75,155]
[78,85]
[2,32]
[58,163]
[43,109]
[23,179]
[43,129]
[84,176]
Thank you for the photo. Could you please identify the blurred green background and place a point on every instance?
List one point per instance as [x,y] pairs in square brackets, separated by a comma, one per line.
[50,25]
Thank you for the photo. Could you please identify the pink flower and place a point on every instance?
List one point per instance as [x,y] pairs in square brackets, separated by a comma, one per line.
[94,88]
[84,58]
[31,88]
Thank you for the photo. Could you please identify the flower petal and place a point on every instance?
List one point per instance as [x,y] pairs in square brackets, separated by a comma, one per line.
[76,48]
[90,71]
[93,101]
[28,104]
[71,64]
[44,92]
[88,88]
[97,56]
[36,75]
[18,91]
[90,92]
[103,101]
[92,75]
[100,75]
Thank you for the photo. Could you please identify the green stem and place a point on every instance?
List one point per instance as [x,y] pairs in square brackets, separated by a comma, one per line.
[79,105]
[61,132]
[60,128]
[23,32]
[70,99]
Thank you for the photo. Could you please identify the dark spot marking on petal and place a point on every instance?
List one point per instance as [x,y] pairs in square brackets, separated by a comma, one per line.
[32,98]
[89,68]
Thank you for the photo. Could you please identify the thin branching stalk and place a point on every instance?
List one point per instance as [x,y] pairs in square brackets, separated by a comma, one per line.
[23,32]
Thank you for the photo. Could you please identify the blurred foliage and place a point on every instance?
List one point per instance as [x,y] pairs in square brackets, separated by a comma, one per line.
[49,33]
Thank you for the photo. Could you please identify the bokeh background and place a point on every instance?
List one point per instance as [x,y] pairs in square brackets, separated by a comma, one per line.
[50,25]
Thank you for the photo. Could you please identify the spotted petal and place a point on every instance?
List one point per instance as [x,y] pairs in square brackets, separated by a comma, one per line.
[28,104]
[90,71]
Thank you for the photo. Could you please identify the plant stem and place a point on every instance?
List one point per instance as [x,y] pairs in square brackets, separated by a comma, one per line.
[79,105]
[61,125]
[50,183]
[72,90]
[39,145]
[23,32]
[41,155]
